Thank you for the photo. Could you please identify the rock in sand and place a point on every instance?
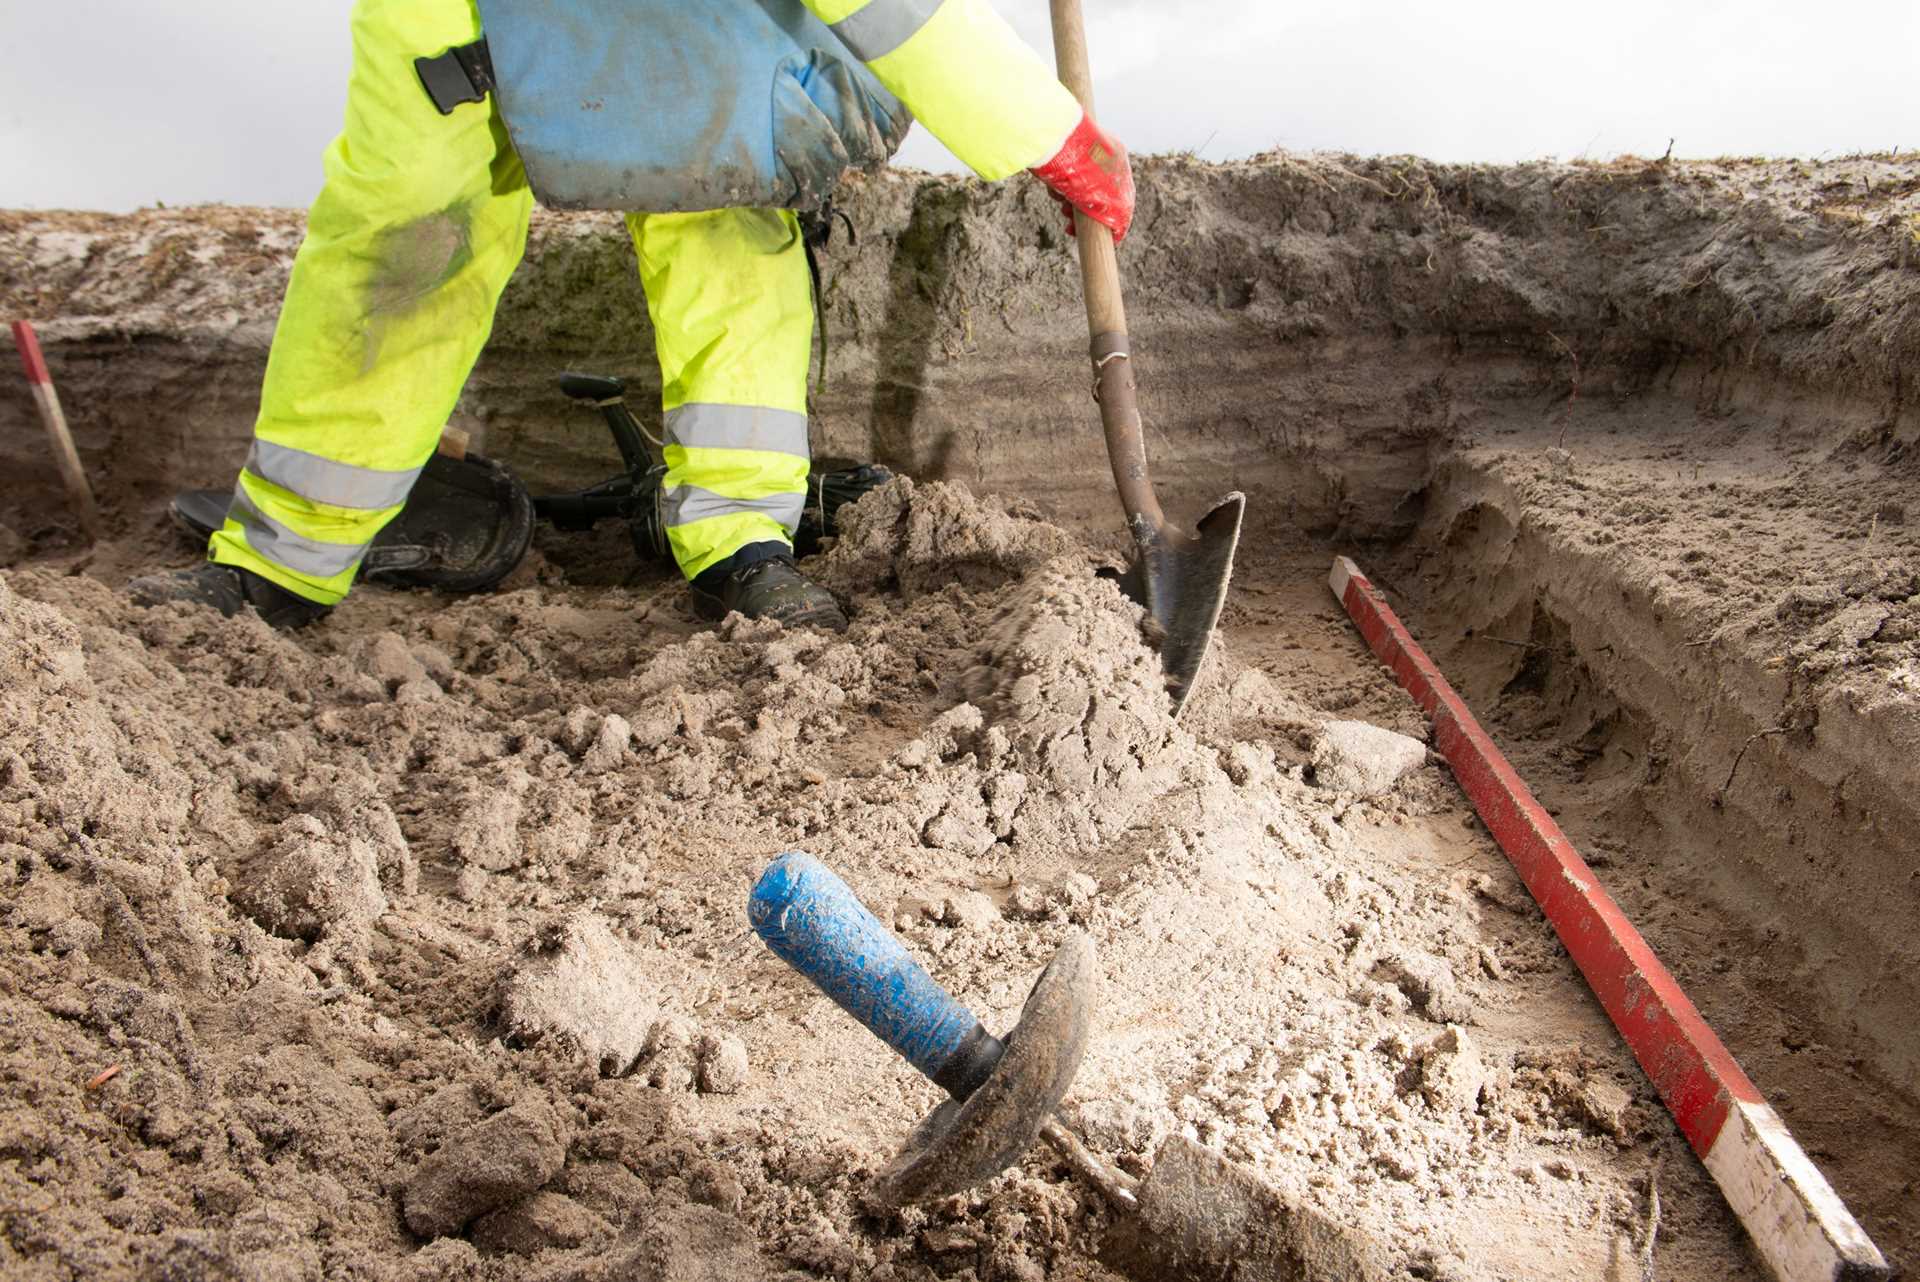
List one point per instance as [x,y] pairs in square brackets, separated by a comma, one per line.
[1352,756]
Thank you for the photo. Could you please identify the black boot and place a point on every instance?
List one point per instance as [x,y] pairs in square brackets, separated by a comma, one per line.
[228,589]
[766,585]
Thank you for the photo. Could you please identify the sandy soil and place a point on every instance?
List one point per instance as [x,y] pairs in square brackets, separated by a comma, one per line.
[418,939]
[434,884]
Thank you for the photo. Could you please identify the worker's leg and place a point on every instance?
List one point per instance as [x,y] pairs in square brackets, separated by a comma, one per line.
[732,315]
[421,221]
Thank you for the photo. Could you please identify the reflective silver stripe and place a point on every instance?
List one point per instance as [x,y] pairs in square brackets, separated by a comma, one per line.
[323,480]
[738,427]
[685,504]
[282,546]
[881,26]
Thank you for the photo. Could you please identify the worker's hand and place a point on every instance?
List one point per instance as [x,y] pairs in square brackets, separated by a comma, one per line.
[1091,174]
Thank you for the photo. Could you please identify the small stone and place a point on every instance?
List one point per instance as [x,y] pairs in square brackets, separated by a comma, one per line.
[951,832]
[1027,901]
[1452,1073]
[422,690]
[1365,760]
[1605,1104]
[609,745]
[1429,985]
[971,910]
[388,660]
[720,1064]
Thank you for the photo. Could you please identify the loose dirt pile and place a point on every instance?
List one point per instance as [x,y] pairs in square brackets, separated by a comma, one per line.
[418,940]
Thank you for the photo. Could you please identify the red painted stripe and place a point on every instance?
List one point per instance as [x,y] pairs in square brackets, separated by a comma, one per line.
[29,344]
[1693,1070]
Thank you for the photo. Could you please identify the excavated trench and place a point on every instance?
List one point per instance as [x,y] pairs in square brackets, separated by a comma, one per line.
[1630,447]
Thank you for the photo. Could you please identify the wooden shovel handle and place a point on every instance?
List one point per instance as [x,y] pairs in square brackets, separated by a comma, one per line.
[1106,313]
[1099,266]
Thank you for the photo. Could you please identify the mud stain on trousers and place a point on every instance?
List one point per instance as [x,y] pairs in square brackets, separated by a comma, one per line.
[410,263]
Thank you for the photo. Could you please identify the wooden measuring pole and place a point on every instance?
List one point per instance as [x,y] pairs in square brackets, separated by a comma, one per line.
[55,421]
[1803,1229]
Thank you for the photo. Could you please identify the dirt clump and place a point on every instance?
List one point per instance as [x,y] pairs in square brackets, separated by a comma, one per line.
[487,1165]
[1074,714]
[722,1064]
[312,882]
[584,990]
[917,537]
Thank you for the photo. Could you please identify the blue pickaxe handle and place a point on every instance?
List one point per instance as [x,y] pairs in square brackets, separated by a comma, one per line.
[814,922]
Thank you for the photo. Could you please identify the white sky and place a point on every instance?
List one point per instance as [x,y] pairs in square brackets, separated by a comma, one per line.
[112,104]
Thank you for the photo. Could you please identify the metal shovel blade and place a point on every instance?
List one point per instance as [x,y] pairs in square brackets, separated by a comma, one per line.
[1181,579]
[965,1142]
[1202,1218]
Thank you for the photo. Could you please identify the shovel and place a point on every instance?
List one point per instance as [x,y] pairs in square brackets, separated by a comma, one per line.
[1180,577]
[1195,1216]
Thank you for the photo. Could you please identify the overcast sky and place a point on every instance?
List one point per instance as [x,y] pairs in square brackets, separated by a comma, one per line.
[112,104]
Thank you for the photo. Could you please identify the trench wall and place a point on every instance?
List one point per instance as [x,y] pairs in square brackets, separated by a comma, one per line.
[1308,328]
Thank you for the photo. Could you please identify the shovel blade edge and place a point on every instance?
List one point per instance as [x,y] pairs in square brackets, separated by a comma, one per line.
[1182,581]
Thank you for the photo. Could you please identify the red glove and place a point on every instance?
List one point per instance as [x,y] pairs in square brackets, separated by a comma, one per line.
[1091,174]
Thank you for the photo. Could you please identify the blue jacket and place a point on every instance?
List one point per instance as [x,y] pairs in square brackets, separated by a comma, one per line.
[679,105]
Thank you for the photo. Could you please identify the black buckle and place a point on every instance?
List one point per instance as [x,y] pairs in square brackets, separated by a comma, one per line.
[460,75]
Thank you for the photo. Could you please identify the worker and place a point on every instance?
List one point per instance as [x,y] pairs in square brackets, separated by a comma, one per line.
[424,215]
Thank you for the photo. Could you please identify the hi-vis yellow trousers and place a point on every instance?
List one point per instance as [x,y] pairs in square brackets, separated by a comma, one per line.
[422,219]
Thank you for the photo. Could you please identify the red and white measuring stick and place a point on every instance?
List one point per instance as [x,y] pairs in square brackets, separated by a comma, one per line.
[1803,1230]
[55,422]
